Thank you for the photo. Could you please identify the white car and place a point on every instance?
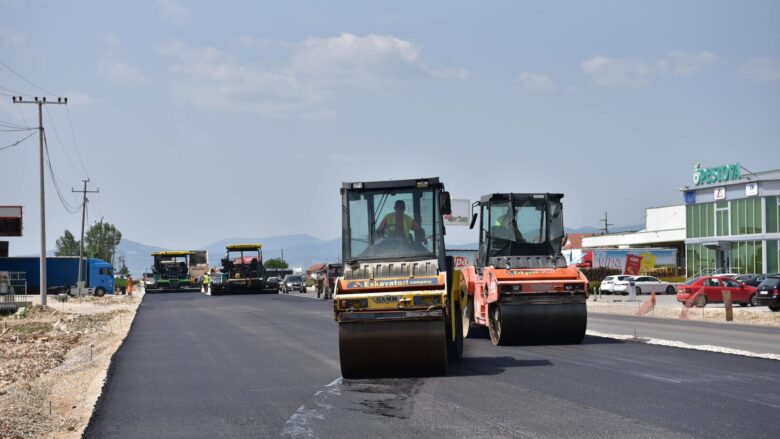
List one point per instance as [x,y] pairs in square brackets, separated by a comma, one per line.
[644,284]
[608,283]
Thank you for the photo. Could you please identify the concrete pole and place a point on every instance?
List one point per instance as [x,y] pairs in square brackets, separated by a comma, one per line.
[80,280]
[43,207]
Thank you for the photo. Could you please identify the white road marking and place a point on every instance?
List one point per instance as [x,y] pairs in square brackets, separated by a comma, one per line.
[679,344]
[300,424]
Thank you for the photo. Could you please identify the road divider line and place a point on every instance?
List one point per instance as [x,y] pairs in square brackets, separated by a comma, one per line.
[300,424]
[682,345]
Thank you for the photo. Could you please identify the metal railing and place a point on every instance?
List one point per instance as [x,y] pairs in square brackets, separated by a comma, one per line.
[13,286]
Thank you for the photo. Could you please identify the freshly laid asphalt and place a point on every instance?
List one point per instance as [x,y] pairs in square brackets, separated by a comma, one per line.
[267,366]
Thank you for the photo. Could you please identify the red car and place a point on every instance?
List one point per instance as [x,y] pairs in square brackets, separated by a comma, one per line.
[712,288]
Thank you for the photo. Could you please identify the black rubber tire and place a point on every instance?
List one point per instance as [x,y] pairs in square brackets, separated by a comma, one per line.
[100,292]
[638,290]
[753,301]
[455,347]
[494,324]
[467,319]
[701,301]
[670,290]
[774,308]
[744,304]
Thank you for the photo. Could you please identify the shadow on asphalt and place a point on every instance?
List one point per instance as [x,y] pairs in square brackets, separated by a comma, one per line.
[590,339]
[480,366]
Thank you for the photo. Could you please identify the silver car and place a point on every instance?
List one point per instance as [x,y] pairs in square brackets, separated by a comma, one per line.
[608,283]
[644,284]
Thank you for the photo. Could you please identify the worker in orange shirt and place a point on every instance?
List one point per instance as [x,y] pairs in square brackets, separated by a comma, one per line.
[130,285]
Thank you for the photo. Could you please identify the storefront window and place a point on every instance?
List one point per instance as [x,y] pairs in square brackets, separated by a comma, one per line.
[772,215]
[700,220]
[772,257]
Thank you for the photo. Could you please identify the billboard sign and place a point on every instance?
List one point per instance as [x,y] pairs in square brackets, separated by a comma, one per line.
[10,220]
[651,258]
[461,214]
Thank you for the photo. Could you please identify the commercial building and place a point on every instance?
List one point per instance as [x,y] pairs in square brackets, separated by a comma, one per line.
[731,218]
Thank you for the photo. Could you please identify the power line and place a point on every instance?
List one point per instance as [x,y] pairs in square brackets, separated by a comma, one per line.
[15,92]
[75,144]
[59,141]
[18,141]
[68,207]
[26,80]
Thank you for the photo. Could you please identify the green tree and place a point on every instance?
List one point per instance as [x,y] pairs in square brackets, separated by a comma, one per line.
[275,263]
[123,267]
[101,241]
[67,245]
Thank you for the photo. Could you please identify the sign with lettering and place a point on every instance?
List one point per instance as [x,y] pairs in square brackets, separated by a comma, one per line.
[718,174]
[720,193]
[633,265]
[751,189]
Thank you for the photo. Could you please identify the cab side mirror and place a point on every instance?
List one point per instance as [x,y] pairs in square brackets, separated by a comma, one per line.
[445,203]
[473,220]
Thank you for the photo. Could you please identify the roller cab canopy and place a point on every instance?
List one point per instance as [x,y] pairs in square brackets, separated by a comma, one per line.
[393,220]
[239,247]
[174,253]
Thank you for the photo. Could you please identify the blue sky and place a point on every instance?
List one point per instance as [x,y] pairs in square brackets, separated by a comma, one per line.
[200,121]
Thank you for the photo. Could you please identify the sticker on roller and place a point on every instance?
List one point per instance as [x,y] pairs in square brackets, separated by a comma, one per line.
[386,299]
[389,283]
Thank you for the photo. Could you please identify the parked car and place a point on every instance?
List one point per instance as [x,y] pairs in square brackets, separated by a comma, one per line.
[649,284]
[272,283]
[751,279]
[712,288]
[643,284]
[293,282]
[608,283]
[769,293]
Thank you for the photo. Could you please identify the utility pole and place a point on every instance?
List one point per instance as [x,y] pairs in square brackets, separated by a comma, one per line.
[81,243]
[282,254]
[40,103]
[606,224]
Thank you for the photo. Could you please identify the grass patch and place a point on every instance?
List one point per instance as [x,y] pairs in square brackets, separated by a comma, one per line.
[33,328]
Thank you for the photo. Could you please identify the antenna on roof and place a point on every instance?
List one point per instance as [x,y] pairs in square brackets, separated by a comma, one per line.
[606,224]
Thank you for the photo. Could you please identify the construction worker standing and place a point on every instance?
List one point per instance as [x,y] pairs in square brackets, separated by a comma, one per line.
[206,281]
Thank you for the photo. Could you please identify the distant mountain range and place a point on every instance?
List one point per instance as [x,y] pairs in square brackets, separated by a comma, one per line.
[299,250]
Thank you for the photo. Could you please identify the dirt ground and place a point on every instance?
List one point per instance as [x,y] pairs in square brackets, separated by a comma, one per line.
[668,307]
[54,363]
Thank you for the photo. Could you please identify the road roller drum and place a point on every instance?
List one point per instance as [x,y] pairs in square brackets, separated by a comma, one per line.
[393,348]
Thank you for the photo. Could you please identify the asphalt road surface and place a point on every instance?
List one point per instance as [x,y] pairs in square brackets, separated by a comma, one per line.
[757,339]
[267,366]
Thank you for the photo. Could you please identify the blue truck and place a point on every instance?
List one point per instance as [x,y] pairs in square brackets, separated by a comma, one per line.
[62,274]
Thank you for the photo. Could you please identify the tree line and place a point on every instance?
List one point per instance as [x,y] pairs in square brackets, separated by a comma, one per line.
[100,242]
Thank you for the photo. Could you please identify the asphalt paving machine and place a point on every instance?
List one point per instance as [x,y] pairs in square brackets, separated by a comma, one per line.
[242,271]
[397,305]
[171,272]
[521,288]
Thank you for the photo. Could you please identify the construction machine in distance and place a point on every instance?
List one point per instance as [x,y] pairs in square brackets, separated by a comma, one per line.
[171,271]
[242,271]
[521,288]
[396,305]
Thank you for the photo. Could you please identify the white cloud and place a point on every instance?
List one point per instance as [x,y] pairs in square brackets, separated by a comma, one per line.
[537,83]
[636,72]
[372,62]
[315,70]
[112,69]
[119,72]
[78,99]
[11,39]
[257,43]
[761,69]
[210,78]
[174,12]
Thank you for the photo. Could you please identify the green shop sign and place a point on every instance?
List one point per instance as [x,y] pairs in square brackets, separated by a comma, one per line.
[719,174]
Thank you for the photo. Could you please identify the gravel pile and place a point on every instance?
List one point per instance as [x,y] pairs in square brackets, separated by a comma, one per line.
[33,342]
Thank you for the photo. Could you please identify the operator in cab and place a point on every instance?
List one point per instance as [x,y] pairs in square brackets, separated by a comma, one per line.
[398,223]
